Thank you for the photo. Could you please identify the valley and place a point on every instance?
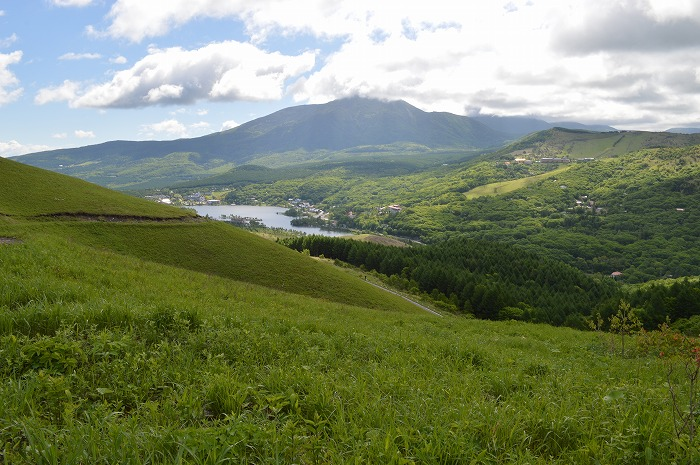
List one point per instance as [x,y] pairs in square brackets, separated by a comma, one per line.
[137,332]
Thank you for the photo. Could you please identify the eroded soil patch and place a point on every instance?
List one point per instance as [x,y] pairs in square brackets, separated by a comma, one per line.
[9,240]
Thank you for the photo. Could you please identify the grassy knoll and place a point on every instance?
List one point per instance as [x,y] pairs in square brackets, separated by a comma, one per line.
[205,246]
[112,359]
[504,187]
[26,191]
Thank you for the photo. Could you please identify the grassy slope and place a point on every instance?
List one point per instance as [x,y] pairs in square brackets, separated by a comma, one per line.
[504,187]
[205,246]
[26,191]
[583,144]
[110,359]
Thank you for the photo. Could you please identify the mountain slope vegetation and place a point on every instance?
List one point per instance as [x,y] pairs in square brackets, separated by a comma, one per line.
[299,131]
[630,209]
[129,339]
[30,198]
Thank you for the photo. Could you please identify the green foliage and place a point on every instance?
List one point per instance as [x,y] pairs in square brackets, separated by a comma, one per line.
[492,281]
[210,369]
[631,212]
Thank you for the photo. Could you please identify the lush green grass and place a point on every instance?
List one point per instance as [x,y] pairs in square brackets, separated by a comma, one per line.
[584,144]
[504,187]
[28,191]
[111,359]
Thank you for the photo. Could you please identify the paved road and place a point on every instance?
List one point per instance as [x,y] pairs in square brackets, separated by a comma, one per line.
[405,298]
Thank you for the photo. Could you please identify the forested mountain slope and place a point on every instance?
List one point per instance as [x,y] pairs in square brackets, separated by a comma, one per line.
[305,129]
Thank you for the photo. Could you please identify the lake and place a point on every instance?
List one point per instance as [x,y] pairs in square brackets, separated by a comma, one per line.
[271,217]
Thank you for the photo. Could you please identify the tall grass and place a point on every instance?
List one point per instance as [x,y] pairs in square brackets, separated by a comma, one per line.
[111,359]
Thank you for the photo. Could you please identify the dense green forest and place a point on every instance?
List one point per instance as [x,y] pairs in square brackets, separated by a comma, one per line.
[486,279]
[503,282]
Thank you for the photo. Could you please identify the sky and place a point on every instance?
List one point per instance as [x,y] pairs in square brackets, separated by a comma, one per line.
[82,72]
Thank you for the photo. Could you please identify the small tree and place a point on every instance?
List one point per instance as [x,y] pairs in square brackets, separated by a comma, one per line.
[624,323]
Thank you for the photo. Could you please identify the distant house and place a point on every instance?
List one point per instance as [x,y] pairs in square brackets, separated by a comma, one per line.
[554,160]
[616,275]
[394,209]
[523,161]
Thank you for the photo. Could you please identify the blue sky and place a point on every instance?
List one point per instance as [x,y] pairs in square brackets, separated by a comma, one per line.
[80,72]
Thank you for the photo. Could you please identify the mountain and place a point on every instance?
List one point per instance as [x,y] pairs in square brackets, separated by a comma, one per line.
[518,126]
[333,126]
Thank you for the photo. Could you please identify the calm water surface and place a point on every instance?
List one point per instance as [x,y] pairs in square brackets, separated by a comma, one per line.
[272,217]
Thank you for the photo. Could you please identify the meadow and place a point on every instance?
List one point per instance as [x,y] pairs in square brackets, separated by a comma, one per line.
[108,358]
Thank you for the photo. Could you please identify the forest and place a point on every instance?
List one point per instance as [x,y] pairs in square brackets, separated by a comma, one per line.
[504,282]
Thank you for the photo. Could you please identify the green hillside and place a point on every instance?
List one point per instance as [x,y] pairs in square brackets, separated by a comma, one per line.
[632,212]
[572,143]
[302,132]
[108,358]
[95,216]
[26,191]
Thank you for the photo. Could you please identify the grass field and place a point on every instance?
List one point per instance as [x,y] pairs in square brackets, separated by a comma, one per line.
[504,187]
[112,359]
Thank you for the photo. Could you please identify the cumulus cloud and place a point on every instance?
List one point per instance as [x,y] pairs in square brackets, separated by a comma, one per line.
[9,91]
[118,60]
[226,71]
[200,126]
[626,26]
[67,91]
[171,128]
[229,125]
[586,60]
[80,56]
[80,134]
[14,148]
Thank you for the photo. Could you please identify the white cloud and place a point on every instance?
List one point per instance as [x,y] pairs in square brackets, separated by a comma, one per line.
[68,3]
[8,41]
[229,125]
[164,92]
[60,135]
[119,60]
[617,60]
[226,71]
[14,148]
[202,125]
[171,128]
[80,56]
[67,91]
[80,134]
[9,91]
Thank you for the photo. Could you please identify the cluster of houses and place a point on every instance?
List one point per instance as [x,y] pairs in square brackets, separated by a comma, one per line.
[584,202]
[188,200]
[307,207]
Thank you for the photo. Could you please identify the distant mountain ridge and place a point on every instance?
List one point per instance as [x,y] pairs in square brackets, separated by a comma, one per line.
[518,126]
[337,125]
